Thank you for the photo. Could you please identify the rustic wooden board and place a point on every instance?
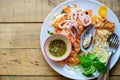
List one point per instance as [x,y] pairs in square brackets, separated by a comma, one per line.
[43,78]
[26,10]
[33,78]
[23,62]
[29,62]
[37,10]
[20,35]
[115,78]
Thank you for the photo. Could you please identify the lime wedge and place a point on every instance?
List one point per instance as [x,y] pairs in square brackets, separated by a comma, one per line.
[104,57]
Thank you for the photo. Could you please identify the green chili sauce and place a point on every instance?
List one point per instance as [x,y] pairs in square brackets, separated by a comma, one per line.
[57,47]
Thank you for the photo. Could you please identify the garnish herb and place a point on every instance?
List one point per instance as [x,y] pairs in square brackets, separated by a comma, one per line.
[62,12]
[49,32]
[91,63]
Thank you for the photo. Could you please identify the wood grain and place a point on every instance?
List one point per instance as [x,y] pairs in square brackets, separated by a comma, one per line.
[20,35]
[23,62]
[33,78]
[116,69]
[37,10]
[29,62]
[26,10]
[44,78]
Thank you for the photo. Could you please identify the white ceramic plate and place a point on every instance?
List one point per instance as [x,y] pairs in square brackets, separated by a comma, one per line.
[64,69]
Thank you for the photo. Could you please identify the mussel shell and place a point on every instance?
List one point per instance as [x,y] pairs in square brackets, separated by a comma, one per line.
[90,30]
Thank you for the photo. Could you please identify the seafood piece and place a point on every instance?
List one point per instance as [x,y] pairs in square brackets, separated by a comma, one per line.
[76,47]
[109,26]
[85,18]
[72,28]
[87,39]
[58,19]
[103,23]
[72,59]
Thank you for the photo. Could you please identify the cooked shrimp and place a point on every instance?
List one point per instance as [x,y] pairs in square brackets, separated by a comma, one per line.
[76,47]
[80,26]
[75,44]
[72,59]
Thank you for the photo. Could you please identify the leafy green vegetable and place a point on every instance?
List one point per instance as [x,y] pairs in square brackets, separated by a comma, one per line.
[81,58]
[62,12]
[84,61]
[87,63]
[102,69]
[89,71]
[91,63]
[50,32]
[96,59]
[91,56]
[100,66]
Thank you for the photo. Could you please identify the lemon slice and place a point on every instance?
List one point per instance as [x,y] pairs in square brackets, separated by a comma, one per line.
[103,56]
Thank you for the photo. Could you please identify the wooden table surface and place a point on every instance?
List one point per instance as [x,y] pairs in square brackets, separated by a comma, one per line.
[20,53]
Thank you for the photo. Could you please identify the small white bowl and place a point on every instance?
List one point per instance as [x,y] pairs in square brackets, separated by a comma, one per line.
[53,37]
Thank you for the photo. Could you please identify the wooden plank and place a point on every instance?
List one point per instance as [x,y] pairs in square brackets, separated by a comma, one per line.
[44,78]
[23,62]
[20,35]
[33,78]
[37,10]
[116,69]
[115,78]
[26,10]
[29,62]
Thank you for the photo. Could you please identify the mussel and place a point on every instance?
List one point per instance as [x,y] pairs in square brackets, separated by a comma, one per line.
[87,38]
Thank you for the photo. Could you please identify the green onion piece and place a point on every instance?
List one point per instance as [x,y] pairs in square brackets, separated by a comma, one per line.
[49,32]
[62,12]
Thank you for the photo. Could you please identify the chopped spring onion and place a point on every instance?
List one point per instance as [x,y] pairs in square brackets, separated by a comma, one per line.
[49,32]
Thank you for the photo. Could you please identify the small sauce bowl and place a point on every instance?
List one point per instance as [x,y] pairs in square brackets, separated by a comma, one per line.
[67,49]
